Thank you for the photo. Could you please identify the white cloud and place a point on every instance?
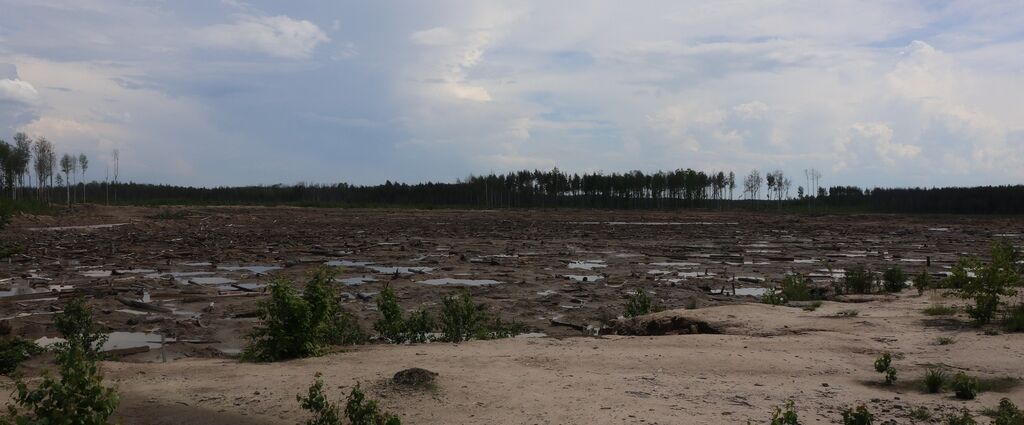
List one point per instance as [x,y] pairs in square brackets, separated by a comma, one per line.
[439,36]
[18,91]
[279,36]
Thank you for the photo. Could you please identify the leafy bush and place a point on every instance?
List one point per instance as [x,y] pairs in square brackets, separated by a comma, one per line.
[13,351]
[812,306]
[939,310]
[858,416]
[397,329]
[922,281]
[361,411]
[462,320]
[884,365]
[1014,320]
[78,395]
[293,326]
[859,280]
[77,326]
[934,379]
[985,284]
[920,413]
[965,387]
[358,410]
[785,417]
[773,297]
[964,418]
[640,303]
[1007,413]
[894,279]
[796,288]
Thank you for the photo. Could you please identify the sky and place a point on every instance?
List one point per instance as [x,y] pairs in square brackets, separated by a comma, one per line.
[232,92]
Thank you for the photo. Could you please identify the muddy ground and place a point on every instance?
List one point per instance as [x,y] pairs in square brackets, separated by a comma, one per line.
[193,276]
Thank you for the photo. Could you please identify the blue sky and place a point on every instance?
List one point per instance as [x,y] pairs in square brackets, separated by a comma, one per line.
[897,93]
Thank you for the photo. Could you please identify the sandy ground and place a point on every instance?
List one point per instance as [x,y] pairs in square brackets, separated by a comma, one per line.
[822,362]
[764,355]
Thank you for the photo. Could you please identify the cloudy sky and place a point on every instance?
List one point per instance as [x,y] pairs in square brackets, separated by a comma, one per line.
[236,91]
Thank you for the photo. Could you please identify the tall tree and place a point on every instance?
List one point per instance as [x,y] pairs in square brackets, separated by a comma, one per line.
[21,160]
[66,167]
[84,163]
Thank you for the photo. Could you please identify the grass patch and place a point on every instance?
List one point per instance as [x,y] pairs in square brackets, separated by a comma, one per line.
[939,310]
[945,340]
[848,313]
[812,306]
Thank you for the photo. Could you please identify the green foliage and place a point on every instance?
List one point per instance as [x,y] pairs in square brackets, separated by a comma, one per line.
[858,416]
[1007,413]
[639,304]
[293,326]
[922,281]
[894,279]
[934,379]
[884,365]
[361,411]
[13,351]
[1014,320]
[358,410]
[920,413]
[939,310]
[77,326]
[785,417]
[773,297]
[985,284]
[77,397]
[859,280]
[315,401]
[945,340]
[965,387]
[462,320]
[812,306]
[397,329]
[963,418]
[796,288]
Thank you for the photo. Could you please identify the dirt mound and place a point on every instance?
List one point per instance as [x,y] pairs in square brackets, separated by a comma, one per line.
[661,324]
[414,377]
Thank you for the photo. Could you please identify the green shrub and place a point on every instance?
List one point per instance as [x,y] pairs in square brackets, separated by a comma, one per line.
[934,379]
[361,411]
[945,340]
[76,397]
[358,410]
[939,310]
[1014,320]
[894,279]
[812,306]
[965,387]
[785,417]
[773,297]
[859,280]
[13,351]
[858,416]
[884,365]
[964,418]
[986,284]
[396,328]
[77,326]
[293,326]
[796,288]
[1007,413]
[922,281]
[462,320]
[639,304]
[920,413]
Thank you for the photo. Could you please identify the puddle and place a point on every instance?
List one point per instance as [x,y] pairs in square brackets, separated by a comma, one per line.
[241,287]
[459,282]
[211,280]
[347,263]
[96,273]
[136,271]
[806,260]
[752,292]
[198,264]
[587,264]
[583,278]
[355,281]
[675,264]
[400,270]
[939,229]
[699,274]
[93,226]
[116,340]
[547,293]
[177,274]
[21,288]
[251,269]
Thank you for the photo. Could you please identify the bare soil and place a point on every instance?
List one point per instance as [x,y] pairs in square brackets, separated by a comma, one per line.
[758,357]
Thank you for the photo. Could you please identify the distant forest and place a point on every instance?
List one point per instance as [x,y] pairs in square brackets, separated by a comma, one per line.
[32,172]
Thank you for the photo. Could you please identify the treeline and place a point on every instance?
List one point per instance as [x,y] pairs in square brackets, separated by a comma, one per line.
[30,170]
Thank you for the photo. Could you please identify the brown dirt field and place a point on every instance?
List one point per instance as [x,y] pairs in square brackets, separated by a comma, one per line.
[764,356]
